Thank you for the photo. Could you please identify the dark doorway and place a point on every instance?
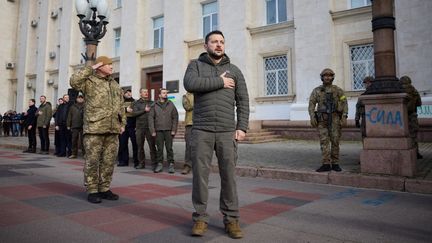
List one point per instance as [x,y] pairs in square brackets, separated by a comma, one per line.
[154,83]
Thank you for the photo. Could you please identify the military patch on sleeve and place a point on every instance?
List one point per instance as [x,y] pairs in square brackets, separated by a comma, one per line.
[343,97]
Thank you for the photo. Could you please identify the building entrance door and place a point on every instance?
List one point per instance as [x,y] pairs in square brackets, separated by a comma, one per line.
[154,83]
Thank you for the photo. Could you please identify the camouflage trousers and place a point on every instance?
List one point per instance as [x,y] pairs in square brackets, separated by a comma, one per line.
[329,141]
[101,152]
[413,127]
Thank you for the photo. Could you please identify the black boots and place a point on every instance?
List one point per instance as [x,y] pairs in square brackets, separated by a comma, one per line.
[94,198]
[30,150]
[327,167]
[336,167]
[108,195]
[324,168]
[98,196]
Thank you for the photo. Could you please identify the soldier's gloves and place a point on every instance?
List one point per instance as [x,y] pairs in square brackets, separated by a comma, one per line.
[313,121]
[344,121]
[357,123]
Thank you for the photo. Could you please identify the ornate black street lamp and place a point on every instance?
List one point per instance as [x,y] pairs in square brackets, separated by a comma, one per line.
[93,15]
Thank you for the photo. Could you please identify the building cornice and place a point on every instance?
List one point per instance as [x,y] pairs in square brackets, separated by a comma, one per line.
[151,52]
[53,71]
[195,42]
[363,11]
[31,75]
[271,28]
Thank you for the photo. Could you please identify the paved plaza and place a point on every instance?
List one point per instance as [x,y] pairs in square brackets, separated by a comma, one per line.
[42,199]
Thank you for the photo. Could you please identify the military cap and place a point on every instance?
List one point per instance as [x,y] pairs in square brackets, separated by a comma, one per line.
[104,59]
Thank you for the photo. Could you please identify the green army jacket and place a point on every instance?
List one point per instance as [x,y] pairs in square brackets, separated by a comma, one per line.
[142,116]
[75,116]
[103,111]
[44,114]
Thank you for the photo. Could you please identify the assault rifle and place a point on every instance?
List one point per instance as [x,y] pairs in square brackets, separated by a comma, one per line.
[325,113]
[330,108]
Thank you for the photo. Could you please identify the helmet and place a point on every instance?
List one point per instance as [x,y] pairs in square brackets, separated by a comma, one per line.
[326,71]
[405,80]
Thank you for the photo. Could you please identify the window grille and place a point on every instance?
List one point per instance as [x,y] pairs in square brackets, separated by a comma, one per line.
[276,75]
[362,64]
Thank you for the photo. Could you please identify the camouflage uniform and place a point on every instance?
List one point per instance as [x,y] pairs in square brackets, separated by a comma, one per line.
[414,100]
[103,118]
[329,137]
[188,101]
[360,117]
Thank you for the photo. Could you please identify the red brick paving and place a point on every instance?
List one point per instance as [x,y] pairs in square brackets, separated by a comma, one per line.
[22,192]
[256,212]
[60,188]
[13,213]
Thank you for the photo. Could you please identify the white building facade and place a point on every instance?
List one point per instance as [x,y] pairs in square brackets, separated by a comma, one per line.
[281,46]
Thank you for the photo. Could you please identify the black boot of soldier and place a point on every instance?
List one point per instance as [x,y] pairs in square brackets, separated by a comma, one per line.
[336,167]
[94,198]
[323,168]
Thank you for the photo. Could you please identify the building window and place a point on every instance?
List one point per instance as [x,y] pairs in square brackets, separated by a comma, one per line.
[276,75]
[362,64]
[117,36]
[276,11]
[158,32]
[360,3]
[210,17]
[118,3]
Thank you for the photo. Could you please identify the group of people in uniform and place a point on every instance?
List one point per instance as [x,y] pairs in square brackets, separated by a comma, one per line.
[68,119]
[217,117]
[155,122]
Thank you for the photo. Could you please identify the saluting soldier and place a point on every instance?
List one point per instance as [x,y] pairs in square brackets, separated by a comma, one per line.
[104,119]
[328,111]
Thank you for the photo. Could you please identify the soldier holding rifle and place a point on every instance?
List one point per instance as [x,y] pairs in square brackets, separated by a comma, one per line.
[328,111]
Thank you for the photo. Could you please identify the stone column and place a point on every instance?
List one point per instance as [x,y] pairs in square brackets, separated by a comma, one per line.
[387,148]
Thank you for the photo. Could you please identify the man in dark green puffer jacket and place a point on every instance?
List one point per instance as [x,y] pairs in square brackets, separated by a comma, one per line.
[218,87]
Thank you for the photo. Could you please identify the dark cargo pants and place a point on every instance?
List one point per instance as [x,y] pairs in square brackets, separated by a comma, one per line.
[143,134]
[187,137]
[123,150]
[77,140]
[164,138]
[202,147]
